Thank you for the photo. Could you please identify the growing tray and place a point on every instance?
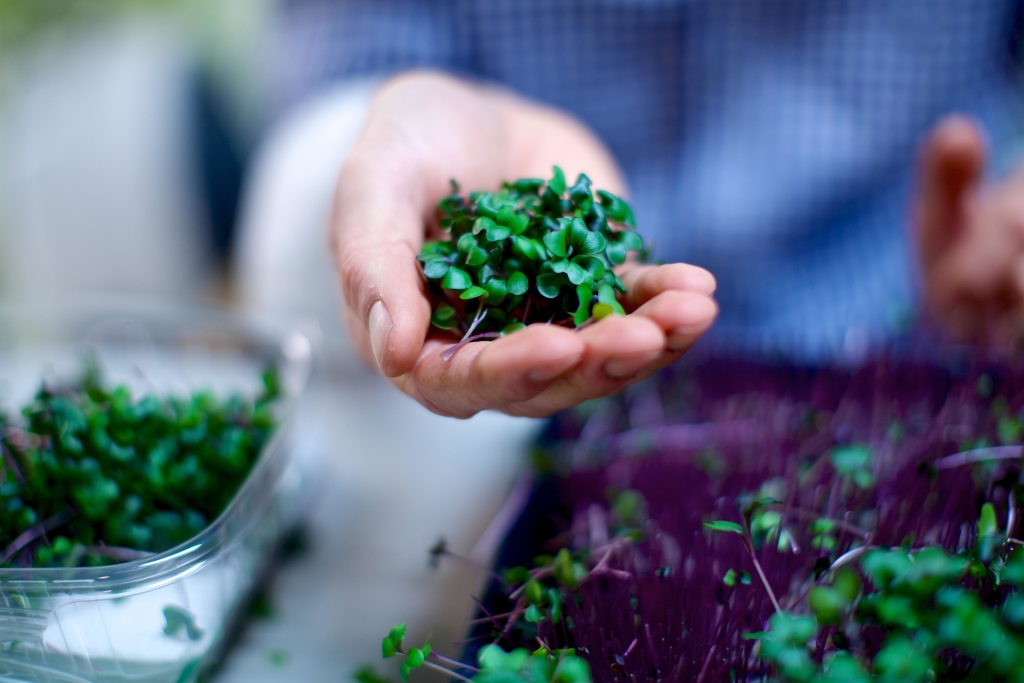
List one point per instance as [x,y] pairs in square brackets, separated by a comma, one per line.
[669,420]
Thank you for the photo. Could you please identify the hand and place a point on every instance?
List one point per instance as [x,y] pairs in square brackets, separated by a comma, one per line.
[423,129]
[971,237]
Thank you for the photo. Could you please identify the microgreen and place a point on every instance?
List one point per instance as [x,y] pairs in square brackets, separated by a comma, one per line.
[91,475]
[535,251]
[494,665]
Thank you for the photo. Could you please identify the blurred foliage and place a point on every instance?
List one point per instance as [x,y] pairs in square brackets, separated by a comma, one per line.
[22,20]
[226,39]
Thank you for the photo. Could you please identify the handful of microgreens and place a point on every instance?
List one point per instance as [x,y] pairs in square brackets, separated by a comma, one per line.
[534,252]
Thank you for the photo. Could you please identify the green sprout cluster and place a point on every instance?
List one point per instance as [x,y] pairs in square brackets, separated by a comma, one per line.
[535,251]
[912,615]
[935,626]
[91,475]
[494,665]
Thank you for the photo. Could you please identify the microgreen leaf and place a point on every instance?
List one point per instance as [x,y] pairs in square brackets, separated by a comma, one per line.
[593,265]
[723,525]
[584,293]
[457,279]
[476,256]
[435,268]
[482,224]
[466,243]
[578,234]
[444,317]
[556,243]
[594,243]
[526,248]
[549,284]
[473,293]
[497,290]
[519,224]
[616,253]
[518,283]
[557,182]
[629,240]
[498,233]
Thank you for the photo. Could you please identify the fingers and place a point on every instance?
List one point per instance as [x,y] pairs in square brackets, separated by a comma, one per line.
[484,375]
[619,349]
[646,282]
[546,368]
[682,316]
[376,234]
[952,162]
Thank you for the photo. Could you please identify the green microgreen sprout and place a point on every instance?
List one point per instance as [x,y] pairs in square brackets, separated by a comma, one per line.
[120,477]
[535,251]
[494,665]
[178,619]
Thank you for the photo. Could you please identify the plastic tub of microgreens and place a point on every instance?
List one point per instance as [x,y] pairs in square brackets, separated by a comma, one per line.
[111,623]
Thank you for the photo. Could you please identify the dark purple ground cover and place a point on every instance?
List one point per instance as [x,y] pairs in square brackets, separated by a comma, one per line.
[703,441]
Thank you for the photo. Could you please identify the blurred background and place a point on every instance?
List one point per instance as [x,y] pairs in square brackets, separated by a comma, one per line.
[125,128]
[142,153]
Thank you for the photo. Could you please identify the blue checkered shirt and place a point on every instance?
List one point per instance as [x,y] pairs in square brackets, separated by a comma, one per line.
[771,141]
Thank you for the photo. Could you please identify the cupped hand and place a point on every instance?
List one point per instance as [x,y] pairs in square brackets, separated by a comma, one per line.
[423,129]
[971,237]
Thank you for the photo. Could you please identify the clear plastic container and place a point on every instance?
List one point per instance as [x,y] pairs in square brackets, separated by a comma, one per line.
[112,623]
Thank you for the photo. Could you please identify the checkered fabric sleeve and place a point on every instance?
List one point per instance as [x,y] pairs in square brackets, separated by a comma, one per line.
[771,141]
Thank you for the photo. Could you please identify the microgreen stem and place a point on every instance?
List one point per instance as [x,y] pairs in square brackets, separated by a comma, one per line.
[978,455]
[468,337]
[12,463]
[446,670]
[764,580]
[452,662]
[510,510]
[520,608]
[480,314]
[492,617]
[707,662]
[1011,515]
[602,567]
[473,563]
[845,558]
[34,532]
[536,574]
[748,543]
[811,515]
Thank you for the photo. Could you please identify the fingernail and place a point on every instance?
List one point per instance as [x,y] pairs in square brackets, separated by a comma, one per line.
[703,313]
[682,337]
[380,329]
[547,374]
[617,368]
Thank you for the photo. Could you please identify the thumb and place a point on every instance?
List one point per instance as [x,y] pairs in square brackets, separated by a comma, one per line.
[952,162]
[375,236]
